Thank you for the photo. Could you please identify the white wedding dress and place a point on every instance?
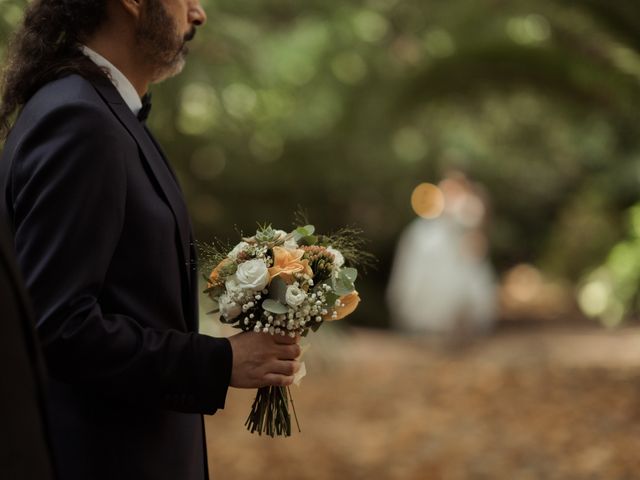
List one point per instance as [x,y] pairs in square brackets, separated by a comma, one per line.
[437,284]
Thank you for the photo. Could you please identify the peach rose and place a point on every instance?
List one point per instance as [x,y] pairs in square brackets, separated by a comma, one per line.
[348,304]
[214,278]
[287,262]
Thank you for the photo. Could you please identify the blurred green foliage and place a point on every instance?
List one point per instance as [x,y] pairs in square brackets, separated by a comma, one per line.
[344,107]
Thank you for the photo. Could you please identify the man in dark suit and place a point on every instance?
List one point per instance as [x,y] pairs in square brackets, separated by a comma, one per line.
[104,240]
[24,443]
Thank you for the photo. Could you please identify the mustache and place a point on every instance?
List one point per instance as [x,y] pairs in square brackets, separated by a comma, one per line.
[190,34]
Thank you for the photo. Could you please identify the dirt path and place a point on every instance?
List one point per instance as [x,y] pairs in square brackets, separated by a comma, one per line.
[524,404]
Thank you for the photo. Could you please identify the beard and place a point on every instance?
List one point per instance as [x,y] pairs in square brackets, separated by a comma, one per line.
[161,46]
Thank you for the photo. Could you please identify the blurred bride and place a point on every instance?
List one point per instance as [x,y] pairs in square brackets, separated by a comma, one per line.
[441,281]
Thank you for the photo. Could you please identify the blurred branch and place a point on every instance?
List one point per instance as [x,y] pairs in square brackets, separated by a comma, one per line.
[620,17]
[505,67]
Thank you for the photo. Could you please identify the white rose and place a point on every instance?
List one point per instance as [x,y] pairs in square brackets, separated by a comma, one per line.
[295,296]
[338,257]
[233,254]
[253,275]
[228,308]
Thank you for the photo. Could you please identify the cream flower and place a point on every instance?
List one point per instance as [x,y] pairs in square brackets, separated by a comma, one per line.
[279,234]
[345,305]
[295,296]
[215,276]
[233,254]
[253,275]
[228,308]
[235,290]
[287,262]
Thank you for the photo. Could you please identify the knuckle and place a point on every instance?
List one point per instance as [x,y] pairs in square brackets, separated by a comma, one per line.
[267,380]
[290,368]
[295,350]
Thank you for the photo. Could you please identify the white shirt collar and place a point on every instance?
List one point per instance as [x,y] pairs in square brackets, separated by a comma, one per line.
[122,83]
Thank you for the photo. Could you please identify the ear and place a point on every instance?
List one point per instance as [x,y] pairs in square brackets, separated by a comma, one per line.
[132,7]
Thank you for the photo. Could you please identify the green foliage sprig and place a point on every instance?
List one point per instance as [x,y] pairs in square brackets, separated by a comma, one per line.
[351,242]
[210,254]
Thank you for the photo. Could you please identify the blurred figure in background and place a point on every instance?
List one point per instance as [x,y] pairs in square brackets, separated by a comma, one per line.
[441,281]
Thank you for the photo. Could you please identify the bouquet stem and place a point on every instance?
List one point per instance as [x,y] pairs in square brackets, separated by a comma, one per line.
[270,412]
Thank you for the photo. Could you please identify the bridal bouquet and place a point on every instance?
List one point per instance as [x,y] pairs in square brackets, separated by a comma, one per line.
[284,283]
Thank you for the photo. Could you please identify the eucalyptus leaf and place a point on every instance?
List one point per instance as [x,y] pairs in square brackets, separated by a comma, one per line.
[349,273]
[302,232]
[273,306]
[331,298]
[342,286]
[308,240]
[343,290]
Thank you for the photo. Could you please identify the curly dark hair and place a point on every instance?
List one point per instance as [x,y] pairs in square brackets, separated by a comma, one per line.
[45,47]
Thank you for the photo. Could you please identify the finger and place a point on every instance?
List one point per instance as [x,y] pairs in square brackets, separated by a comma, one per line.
[287,368]
[289,352]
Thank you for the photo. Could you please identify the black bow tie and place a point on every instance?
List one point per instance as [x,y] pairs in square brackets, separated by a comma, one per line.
[146,107]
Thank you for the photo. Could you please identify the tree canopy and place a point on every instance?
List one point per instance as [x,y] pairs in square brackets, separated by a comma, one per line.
[343,108]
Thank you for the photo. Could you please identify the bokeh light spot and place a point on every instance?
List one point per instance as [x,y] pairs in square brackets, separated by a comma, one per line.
[593,298]
[12,14]
[427,201]
[523,283]
[626,60]
[199,109]
[370,26]
[349,68]
[529,30]
[439,43]
[239,100]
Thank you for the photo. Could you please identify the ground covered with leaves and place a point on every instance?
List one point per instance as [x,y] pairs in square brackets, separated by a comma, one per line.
[526,403]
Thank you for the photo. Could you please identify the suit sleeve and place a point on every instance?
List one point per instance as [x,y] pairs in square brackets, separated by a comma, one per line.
[69,195]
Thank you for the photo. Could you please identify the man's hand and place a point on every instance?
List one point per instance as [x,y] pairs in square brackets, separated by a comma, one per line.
[260,359]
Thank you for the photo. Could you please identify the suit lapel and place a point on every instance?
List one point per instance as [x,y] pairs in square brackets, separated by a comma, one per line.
[157,164]
[192,263]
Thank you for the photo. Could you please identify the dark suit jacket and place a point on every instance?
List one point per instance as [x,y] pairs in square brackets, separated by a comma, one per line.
[24,444]
[104,240]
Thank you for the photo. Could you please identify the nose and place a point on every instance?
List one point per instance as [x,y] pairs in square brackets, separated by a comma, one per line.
[197,15]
